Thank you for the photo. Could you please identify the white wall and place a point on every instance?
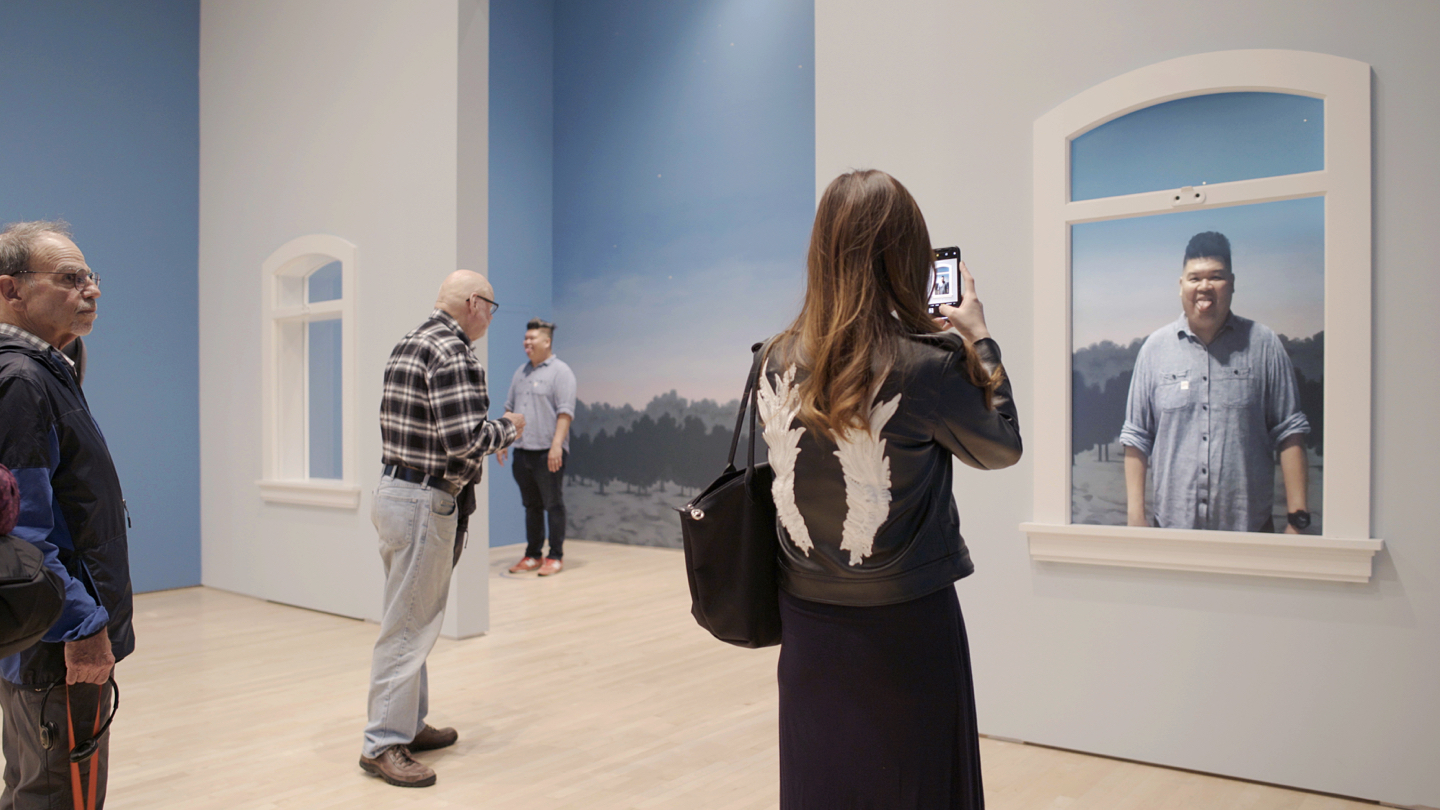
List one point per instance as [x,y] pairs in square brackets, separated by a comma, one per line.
[318,116]
[1325,686]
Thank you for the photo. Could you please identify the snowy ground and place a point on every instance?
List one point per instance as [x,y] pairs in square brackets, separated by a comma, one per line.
[1097,497]
[624,517]
[1097,492]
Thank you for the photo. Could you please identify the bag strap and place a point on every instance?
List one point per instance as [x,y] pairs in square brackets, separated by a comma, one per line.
[747,403]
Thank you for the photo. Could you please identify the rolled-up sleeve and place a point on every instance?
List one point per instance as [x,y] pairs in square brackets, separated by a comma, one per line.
[1139,428]
[564,391]
[1283,416]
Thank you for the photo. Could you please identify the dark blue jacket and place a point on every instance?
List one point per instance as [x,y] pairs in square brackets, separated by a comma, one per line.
[71,506]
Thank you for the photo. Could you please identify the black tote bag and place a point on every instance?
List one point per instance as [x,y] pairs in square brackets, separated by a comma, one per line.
[731,542]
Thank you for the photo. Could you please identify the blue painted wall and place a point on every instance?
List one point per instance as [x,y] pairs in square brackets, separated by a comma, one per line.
[102,129]
[522,116]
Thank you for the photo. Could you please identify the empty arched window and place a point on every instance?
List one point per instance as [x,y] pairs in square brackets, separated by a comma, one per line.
[307,329]
[1270,149]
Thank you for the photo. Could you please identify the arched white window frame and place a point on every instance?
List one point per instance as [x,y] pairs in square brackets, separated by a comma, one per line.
[284,370]
[1345,552]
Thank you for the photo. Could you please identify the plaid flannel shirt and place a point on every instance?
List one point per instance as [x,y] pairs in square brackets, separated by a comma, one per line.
[433,410]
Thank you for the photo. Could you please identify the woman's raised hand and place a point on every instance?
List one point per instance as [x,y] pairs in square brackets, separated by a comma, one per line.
[968,318]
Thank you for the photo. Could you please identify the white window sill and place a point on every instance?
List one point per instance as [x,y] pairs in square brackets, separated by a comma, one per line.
[333,494]
[1297,556]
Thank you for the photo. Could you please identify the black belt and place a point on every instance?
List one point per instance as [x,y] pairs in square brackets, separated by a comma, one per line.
[417,477]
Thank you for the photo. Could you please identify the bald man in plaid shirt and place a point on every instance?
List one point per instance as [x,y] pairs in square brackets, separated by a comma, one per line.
[435,435]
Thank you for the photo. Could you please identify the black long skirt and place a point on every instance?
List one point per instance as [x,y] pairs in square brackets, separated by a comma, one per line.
[877,709]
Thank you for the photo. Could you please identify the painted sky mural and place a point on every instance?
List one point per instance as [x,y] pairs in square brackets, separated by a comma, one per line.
[684,193]
[684,189]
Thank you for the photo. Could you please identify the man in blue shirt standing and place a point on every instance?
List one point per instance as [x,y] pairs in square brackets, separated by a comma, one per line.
[543,391]
[1212,399]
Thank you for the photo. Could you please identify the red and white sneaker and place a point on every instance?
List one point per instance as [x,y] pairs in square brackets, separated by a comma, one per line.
[551,567]
[525,566]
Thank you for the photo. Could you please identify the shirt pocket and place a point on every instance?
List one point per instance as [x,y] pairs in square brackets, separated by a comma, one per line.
[1174,392]
[1233,388]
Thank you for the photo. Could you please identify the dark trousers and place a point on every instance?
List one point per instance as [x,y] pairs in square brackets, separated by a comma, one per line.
[541,494]
[37,779]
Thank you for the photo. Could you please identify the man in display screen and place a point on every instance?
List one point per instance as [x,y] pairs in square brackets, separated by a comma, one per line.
[1212,399]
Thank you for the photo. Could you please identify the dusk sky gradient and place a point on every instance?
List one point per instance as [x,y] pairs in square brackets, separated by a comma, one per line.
[1125,273]
[684,190]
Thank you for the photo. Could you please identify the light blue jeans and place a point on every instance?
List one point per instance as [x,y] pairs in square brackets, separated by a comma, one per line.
[417,545]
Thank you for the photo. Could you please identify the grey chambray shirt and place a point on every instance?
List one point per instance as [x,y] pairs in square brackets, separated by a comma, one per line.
[1210,418]
[540,394]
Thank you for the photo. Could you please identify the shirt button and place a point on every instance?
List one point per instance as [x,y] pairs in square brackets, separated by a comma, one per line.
[1204,407]
[1204,438]
[1204,379]
[1204,471]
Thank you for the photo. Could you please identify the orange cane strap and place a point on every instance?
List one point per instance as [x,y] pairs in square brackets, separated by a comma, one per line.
[81,801]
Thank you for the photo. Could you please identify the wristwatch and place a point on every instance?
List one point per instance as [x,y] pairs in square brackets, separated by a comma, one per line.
[1300,519]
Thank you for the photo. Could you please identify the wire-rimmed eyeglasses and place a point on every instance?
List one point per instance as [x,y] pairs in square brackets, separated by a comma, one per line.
[77,279]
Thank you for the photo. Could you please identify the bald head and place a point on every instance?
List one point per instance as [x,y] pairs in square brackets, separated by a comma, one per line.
[459,286]
[458,297]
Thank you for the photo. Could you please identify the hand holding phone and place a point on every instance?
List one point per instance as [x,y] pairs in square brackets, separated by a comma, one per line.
[969,317]
[945,282]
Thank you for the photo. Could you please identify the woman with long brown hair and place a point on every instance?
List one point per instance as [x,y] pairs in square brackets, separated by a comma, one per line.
[865,399]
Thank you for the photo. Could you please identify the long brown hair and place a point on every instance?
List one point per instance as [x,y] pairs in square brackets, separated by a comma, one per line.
[868,276]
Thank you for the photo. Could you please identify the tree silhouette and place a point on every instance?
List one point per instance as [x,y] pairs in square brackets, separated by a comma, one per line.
[598,468]
[671,440]
[577,467]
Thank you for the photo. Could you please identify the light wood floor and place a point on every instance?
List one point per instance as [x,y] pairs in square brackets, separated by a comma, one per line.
[593,690]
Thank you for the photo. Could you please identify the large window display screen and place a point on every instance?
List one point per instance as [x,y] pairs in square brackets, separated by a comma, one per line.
[1198,349]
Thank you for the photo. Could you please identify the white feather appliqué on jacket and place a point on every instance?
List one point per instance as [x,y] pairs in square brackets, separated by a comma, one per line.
[862,461]
[867,482]
[778,407]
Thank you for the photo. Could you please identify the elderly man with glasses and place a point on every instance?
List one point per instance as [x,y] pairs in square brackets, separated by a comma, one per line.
[71,509]
[435,434]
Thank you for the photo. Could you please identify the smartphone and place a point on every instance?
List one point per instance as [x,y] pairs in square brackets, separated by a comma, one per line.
[945,279]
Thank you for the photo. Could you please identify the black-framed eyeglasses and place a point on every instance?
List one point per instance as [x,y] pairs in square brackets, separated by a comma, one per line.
[79,280]
[494,307]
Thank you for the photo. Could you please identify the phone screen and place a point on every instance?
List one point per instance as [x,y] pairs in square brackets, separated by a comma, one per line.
[945,286]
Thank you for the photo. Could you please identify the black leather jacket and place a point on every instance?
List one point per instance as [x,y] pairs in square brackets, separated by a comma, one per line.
[877,522]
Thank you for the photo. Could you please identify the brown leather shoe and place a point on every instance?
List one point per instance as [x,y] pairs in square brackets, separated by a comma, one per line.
[395,766]
[551,566]
[525,566]
[431,738]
